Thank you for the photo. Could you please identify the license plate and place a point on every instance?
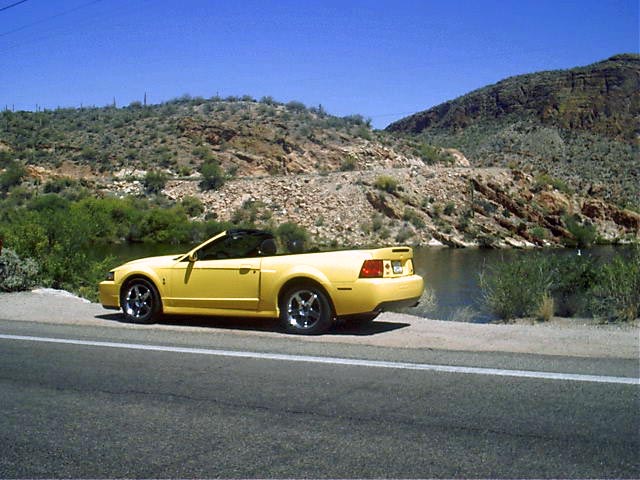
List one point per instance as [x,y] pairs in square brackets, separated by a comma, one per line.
[397,267]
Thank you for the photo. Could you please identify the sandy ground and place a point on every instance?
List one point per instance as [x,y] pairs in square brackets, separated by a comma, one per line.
[567,337]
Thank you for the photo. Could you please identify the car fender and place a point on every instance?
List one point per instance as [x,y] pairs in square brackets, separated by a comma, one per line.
[148,273]
[270,293]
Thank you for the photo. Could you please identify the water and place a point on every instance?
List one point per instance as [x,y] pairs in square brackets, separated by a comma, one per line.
[451,273]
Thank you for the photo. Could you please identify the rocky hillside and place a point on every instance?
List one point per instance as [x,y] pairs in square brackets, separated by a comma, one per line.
[424,205]
[244,136]
[341,181]
[581,125]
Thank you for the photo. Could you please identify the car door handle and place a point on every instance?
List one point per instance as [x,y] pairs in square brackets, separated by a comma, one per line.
[244,269]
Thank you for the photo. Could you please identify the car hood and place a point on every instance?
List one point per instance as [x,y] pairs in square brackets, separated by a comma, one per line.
[162,261]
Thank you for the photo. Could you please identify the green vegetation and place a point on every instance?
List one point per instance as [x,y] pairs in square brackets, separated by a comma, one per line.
[348,164]
[212,176]
[616,294]
[412,216]
[154,181]
[16,274]
[583,233]
[386,183]
[12,176]
[293,237]
[59,236]
[540,286]
[543,179]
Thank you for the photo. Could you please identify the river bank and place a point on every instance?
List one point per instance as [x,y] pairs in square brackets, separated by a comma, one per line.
[564,337]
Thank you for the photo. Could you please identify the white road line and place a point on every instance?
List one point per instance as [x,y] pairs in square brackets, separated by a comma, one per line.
[337,361]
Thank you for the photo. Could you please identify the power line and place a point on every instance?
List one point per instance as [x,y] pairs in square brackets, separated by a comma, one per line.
[12,5]
[42,20]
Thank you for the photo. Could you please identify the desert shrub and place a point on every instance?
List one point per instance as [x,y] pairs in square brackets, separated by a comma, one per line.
[292,237]
[583,233]
[573,277]
[616,295]
[212,175]
[16,274]
[545,179]
[154,181]
[431,155]
[12,176]
[541,286]
[377,222]
[546,308]
[449,208]
[403,235]
[411,215]
[247,214]
[192,206]
[202,152]
[512,289]
[348,164]
[386,183]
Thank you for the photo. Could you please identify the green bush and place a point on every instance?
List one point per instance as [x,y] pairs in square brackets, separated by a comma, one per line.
[12,176]
[292,236]
[192,205]
[566,284]
[403,235]
[154,181]
[348,164]
[616,295]
[512,289]
[212,176]
[16,274]
[386,183]
[412,216]
[583,233]
[449,208]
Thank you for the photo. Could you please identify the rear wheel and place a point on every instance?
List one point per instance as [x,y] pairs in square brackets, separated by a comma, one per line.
[305,309]
[140,301]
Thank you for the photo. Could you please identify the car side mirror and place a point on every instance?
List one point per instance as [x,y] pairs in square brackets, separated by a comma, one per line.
[193,256]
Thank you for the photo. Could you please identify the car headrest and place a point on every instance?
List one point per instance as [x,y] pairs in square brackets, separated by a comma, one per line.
[268,247]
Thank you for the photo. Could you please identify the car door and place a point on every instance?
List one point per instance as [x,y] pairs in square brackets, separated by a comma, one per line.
[213,281]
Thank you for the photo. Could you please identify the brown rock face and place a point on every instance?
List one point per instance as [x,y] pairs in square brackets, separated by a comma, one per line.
[554,202]
[603,98]
[599,210]
[384,204]
[595,209]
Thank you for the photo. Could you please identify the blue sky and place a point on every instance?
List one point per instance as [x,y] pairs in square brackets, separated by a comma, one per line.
[381,59]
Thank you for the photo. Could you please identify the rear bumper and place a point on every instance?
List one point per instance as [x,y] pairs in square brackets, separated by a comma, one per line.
[378,294]
[409,302]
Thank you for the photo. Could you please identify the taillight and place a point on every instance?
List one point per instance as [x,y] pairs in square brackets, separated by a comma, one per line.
[371,269]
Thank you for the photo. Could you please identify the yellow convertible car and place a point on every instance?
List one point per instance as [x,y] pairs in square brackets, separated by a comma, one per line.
[240,273]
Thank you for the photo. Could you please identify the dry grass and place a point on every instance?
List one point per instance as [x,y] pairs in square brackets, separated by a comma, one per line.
[546,309]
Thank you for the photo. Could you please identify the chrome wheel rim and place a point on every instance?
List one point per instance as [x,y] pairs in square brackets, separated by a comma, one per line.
[304,309]
[138,301]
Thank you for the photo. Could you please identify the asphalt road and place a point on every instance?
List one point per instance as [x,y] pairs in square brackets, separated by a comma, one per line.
[96,411]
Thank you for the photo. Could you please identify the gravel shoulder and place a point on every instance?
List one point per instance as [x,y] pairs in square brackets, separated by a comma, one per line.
[566,337]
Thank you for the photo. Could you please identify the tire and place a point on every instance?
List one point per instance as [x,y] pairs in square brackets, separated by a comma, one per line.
[140,301]
[305,310]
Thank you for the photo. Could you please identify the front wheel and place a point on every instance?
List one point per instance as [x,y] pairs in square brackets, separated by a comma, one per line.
[140,301]
[305,309]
